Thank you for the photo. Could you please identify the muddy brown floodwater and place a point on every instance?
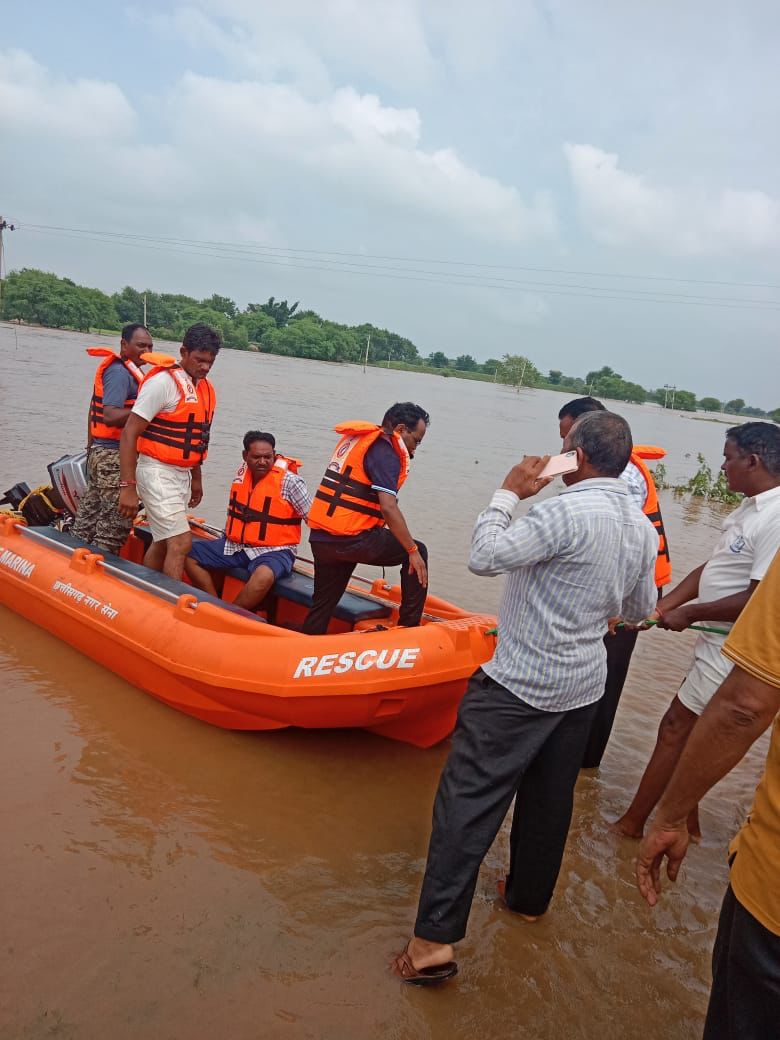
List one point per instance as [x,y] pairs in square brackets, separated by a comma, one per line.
[165,879]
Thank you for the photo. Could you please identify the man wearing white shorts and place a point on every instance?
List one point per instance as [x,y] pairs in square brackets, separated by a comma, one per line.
[164,444]
[714,594]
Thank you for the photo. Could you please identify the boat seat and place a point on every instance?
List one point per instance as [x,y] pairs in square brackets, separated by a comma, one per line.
[154,582]
[299,588]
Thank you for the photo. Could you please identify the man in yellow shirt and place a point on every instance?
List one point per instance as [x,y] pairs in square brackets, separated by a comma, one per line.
[745,998]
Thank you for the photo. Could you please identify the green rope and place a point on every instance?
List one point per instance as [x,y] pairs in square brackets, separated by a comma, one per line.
[621,624]
[696,628]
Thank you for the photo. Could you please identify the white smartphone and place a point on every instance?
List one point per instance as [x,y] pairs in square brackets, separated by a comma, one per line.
[566,463]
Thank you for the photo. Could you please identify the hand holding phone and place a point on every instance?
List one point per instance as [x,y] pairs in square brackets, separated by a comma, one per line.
[525,479]
[558,464]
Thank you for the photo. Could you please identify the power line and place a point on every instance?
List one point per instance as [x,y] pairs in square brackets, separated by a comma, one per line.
[249,247]
[320,262]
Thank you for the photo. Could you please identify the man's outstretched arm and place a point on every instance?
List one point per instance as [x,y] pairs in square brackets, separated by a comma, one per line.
[734,719]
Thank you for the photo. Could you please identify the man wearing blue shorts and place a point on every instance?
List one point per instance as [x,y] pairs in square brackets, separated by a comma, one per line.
[267,503]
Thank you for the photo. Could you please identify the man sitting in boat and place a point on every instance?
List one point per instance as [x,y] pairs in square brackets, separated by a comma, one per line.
[115,388]
[355,517]
[268,501]
[163,445]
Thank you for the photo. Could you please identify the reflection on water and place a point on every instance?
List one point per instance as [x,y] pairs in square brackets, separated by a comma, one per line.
[172,880]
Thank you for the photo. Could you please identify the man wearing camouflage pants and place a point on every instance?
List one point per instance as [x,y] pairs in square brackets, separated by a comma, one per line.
[98,520]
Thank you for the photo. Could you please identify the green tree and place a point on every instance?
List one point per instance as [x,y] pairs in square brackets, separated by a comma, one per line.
[438,360]
[710,404]
[129,305]
[222,304]
[685,401]
[593,378]
[754,413]
[466,363]
[279,310]
[774,415]
[554,377]
[518,371]
[734,407]
[42,298]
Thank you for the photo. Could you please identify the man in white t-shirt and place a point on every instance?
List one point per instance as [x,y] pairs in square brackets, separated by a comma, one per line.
[715,594]
[163,444]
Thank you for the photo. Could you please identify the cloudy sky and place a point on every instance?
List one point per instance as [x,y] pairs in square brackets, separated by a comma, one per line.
[587,182]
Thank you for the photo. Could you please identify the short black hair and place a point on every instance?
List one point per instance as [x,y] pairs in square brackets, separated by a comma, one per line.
[202,337]
[405,413]
[130,330]
[758,438]
[257,435]
[579,406]
[605,439]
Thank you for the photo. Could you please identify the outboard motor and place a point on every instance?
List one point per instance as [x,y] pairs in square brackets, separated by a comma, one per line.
[69,480]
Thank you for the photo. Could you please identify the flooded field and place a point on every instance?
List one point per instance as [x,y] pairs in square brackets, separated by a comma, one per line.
[165,879]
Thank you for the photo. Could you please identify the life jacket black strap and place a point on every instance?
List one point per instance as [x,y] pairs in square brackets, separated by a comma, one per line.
[190,436]
[343,484]
[245,515]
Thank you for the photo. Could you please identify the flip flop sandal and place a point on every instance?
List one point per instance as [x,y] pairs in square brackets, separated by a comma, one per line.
[423,976]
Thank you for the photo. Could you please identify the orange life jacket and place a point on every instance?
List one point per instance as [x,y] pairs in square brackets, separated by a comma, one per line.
[345,503]
[180,437]
[652,510]
[258,515]
[97,425]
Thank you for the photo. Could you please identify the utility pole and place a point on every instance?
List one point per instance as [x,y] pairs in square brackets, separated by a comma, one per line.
[368,344]
[4,226]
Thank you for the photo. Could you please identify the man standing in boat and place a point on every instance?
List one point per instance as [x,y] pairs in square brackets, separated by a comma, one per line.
[355,518]
[164,443]
[115,388]
[268,501]
[620,643]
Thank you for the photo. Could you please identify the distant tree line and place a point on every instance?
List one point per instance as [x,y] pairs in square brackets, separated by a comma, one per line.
[277,327]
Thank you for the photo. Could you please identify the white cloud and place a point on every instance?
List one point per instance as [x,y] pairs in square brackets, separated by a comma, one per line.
[33,101]
[623,209]
[299,40]
[357,147]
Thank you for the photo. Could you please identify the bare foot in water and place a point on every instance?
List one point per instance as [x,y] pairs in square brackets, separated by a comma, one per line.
[501,886]
[626,829]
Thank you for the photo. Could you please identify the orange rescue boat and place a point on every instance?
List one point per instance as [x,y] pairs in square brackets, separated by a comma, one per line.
[241,670]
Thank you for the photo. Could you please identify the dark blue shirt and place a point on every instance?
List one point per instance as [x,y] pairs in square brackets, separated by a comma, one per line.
[383,467]
[118,386]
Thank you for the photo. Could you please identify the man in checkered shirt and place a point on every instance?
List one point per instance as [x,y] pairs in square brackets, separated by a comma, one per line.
[267,503]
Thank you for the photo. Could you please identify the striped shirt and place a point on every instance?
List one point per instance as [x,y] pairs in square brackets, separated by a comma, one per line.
[572,563]
[635,481]
[295,492]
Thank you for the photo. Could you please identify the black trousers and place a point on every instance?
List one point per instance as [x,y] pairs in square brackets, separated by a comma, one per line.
[619,647]
[502,749]
[334,562]
[745,997]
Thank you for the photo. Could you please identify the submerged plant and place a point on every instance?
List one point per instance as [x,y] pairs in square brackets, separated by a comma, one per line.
[659,477]
[702,485]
